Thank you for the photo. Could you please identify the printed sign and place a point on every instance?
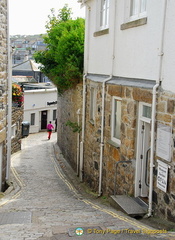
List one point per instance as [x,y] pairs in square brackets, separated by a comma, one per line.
[162,176]
[164,142]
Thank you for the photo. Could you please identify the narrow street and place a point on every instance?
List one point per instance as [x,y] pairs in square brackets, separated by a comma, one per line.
[45,205]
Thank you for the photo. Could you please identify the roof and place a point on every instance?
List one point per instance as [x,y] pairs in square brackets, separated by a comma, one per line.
[29,65]
[21,79]
[123,81]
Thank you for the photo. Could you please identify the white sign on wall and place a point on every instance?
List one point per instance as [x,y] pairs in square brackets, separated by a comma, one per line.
[163,148]
[162,175]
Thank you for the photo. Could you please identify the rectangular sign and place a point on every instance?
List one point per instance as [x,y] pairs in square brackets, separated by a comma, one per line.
[163,148]
[162,176]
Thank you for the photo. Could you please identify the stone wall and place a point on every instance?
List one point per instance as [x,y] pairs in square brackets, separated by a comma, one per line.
[17,118]
[3,85]
[113,154]
[68,104]
[164,202]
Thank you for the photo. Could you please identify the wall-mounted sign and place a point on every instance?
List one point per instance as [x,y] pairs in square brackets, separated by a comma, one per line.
[162,175]
[163,149]
[51,103]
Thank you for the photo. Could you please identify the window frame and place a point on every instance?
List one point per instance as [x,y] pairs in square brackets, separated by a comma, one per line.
[54,114]
[32,119]
[104,14]
[118,101]
[138,12]
[92,109]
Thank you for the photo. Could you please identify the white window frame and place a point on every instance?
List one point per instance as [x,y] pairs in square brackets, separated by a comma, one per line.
[116,114]
[139,10]
[13,131]
[102,14]
[32,123]
[92,103]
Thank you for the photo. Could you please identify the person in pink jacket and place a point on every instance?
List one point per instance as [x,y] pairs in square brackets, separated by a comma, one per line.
[49,129]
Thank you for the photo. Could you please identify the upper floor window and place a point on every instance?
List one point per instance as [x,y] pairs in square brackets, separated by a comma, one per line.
[137,8]
[104,14]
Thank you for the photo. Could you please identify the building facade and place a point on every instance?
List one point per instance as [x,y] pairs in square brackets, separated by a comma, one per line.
[3,94]
[40,107]
[128,143]
[128,99]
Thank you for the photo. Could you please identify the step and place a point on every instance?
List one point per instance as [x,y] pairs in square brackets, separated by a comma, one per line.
[127,205]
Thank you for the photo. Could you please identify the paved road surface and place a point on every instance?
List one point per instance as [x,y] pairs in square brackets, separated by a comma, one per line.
[45,205]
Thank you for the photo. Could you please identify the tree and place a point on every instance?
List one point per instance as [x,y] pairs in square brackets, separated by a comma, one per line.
[62,61]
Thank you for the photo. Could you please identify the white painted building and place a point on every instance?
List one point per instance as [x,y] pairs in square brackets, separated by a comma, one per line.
[40,107]
[129,83]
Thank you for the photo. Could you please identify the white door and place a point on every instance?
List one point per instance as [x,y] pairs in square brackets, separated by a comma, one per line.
[143,150]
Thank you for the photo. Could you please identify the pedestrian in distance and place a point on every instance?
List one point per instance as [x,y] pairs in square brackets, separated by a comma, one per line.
[49,129]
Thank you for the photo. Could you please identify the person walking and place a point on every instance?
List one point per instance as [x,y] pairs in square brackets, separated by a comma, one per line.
[49,129]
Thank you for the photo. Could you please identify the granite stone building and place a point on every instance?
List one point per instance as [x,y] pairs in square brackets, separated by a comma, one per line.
[4,144]
[128,100]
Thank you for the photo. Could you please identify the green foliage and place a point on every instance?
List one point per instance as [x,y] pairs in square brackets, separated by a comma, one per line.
[74,125]
[62,61]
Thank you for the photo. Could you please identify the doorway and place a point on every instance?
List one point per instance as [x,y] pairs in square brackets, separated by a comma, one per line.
[143,150]
[43,119]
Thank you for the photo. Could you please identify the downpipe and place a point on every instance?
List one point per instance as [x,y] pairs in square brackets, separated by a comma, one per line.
[154,113]
[83,129]
[102,136]
[9,99]
[78,142]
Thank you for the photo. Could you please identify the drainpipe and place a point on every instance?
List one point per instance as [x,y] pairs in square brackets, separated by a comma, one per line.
[83,129]
[78,142]
[154,112]
[9,99]
[102,135]
[84,92]
[103,105]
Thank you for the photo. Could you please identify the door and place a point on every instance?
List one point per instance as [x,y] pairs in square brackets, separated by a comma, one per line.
[143,151]
[43,119]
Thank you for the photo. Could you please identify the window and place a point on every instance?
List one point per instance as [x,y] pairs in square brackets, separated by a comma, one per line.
[104,14]
[137,8]
[13,130]
[116,120]
[54,114]
[92,104]
[32,119]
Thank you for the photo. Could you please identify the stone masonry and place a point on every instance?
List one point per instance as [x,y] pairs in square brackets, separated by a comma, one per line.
[114,171]
[17,118]
[68,105]
[3,85]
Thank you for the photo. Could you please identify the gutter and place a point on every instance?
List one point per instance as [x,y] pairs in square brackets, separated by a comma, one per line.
[153,120]
[9,99]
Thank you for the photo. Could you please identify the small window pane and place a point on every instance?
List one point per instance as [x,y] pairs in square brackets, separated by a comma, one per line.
[146,111]
[54,114]
[32,121]
[143,6]
[117,119]
[92,104]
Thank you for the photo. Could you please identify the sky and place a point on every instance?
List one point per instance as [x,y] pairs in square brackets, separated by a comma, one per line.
[28,17]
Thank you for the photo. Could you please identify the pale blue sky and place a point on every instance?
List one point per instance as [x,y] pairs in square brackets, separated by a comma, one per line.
[30,16]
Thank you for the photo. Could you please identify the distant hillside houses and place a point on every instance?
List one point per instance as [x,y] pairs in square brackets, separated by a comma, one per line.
[25,46]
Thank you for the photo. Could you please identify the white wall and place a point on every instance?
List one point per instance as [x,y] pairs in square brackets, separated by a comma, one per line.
[168,81]
[36,101]
[136,51]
